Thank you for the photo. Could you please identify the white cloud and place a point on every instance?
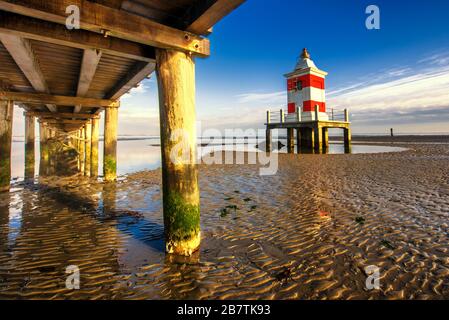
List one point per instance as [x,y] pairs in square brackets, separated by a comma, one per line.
[424,89]
[266,98]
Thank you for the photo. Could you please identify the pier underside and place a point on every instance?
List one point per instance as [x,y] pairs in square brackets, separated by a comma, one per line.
[67,62]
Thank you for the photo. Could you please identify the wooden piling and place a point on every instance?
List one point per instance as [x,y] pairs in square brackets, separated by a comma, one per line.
[110,144]
[82,151]
[298,140]
[6,119]
[94,152]
[88,147]
[318,139]
[29,146]
[347,139]
[268,139]
[181,197]
[325,138]
[290,140]
[43,147]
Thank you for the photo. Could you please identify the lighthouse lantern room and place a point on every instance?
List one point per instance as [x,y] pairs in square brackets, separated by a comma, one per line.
[306,91]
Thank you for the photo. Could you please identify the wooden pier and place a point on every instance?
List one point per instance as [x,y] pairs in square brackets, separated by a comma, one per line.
[311,135]
[66,78]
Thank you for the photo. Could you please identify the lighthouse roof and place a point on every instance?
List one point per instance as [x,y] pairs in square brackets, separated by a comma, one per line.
[304,62]
[305,65]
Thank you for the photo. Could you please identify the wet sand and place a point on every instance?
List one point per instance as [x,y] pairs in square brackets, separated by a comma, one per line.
[306,233]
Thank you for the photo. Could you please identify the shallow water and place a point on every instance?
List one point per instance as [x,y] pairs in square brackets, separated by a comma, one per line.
[137,154]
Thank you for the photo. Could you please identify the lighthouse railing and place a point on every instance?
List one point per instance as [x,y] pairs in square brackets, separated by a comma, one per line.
[340,115]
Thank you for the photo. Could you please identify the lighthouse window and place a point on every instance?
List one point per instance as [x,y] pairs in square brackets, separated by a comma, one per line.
[299,85]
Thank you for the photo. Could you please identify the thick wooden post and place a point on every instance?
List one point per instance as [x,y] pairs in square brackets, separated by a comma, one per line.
[325,139]
[268,140]
[318,143]
[94,152]
[43,147]
[348,139]
[88,147]
[110,144]
[6,119]
[290,140]
[298,140]
[29,146]
[82,151]
[181,196]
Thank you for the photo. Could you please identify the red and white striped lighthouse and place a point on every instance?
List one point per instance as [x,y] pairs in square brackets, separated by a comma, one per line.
[306,90]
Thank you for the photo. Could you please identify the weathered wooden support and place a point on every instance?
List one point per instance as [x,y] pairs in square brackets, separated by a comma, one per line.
[290,140]
[318,139]
[268,141]
[94,152]
[347,139]
[44,31]
[112,22]
[29,146]
[325,138]
[110,144]
[43,147]
[82,151]
[181,197]
[6,119]
[23,55]
[41,98]
[298,140]
[88,147]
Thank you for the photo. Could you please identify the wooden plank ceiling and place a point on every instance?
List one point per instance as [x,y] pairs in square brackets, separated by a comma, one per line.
[103,60]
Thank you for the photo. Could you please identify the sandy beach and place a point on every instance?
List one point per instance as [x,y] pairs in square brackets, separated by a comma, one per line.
[308,232]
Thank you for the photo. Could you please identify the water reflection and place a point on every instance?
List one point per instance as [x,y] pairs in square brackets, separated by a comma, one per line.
[144,153]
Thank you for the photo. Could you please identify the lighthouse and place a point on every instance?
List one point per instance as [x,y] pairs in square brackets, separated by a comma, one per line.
[306,112]
[306,91]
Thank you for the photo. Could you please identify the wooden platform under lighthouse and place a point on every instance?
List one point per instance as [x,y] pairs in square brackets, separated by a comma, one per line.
[311,136]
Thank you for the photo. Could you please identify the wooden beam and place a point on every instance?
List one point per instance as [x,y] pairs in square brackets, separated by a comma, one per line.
[62,121]
[137,73]
[44,31]
[206,13]
[57,100]
[89,64]
[22,53]
[112,22]
[60,115]
[116,4]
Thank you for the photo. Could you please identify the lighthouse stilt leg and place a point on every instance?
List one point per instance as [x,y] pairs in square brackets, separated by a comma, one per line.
[268,141]
[290,140]
[318,143]
[325,140]
[298,140]
[347,138]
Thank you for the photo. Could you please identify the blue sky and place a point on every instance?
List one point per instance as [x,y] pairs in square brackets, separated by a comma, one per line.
[397,76]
